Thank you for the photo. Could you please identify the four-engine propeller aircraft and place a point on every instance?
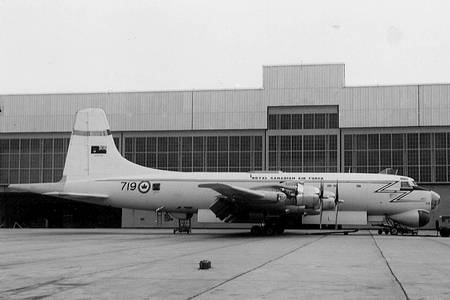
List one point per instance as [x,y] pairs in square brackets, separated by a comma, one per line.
[95,172]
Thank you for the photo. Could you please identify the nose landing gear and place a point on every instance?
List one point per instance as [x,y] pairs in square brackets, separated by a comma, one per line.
[394,228]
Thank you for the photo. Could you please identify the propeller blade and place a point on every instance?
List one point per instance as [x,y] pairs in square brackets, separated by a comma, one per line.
[336,205]
[297,190]
[321,203]
[336,198]
[321,189]
[336,217]
[321,210]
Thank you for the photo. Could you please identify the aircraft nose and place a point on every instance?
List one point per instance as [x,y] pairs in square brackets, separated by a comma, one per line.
[435,199]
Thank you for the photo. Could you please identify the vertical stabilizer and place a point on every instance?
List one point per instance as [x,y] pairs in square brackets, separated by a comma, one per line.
[92,152]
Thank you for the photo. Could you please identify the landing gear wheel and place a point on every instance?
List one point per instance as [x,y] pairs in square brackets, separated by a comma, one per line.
[280,230]
[269,230]
[256,230]
[394,231]
[380,231]
[386,231]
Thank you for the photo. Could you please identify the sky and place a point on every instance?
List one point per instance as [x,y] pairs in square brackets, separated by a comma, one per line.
[59,46]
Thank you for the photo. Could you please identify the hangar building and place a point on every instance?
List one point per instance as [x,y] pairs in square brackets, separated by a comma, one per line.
[302,119]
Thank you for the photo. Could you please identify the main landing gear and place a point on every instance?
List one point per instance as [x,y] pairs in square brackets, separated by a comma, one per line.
[267,229]
[184,225]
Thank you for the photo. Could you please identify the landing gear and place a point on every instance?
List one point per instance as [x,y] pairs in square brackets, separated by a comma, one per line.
[256,230]
[280,230]
[184,224]
[394,228]
[267,229]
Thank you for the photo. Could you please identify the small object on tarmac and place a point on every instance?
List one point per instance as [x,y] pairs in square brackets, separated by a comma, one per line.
[205,264]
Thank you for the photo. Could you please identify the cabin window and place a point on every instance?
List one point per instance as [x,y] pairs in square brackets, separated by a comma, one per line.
[156,186]
[358,185]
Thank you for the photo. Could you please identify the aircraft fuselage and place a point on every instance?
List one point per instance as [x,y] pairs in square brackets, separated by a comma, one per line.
[177,191]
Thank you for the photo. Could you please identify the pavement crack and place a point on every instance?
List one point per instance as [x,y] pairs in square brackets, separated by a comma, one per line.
[389,267]
[255,268]
[32,286]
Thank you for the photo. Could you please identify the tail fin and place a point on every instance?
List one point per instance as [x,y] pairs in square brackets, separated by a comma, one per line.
[92,152]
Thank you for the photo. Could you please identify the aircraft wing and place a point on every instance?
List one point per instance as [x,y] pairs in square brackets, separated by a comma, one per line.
[234,192]
[235,203]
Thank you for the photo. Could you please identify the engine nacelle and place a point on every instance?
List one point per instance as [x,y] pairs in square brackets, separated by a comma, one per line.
[273,197]
[308,196]
[328,203]
[412,218]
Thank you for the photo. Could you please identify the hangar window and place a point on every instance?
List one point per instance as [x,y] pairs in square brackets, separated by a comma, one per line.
[333,121]
[440,140]
[297,121]
[308,121]
[272,122]
[197,153]
[319,121]
[285,121]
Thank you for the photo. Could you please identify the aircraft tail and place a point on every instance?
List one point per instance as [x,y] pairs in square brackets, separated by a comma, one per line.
[92,152]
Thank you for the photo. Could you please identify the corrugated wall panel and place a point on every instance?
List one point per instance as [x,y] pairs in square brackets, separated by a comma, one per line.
[434,105]
[378,107]
[388,106]
[127,111]
[306,76]
[229,109]
[290,97]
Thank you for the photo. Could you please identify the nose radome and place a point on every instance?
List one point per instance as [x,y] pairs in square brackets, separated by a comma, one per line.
[435,199]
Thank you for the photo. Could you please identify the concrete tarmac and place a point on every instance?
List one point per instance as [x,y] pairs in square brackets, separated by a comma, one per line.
[156,264]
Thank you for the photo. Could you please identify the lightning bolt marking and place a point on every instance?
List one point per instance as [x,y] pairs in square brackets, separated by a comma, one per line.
[385,189]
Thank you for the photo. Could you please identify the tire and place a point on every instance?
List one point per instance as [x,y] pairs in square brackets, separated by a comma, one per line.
[280,230]
[269,230]
[394,231]
[256,230]
[380,231]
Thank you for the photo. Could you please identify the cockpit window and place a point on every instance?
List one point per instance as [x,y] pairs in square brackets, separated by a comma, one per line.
[405,185]
[411,185]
